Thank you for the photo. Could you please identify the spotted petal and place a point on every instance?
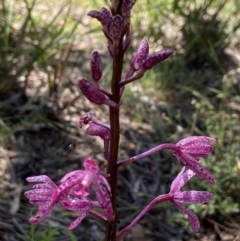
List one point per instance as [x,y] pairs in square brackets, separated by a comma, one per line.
[195,166]
[193,196]
[192,218]
[181,179]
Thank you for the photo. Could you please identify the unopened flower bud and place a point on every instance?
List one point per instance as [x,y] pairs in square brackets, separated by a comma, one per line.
[116,28]
[93,94]
[95,14]
[103,16]
[127,7]
[106,18]
[156,58]
[148,63]
[139,58]
[141,55]
[96,67]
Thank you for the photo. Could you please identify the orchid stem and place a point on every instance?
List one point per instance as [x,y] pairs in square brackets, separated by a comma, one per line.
[112,169]
[170,146]
[153,203]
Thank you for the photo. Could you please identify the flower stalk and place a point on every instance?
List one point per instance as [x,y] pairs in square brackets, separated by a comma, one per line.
[114,140]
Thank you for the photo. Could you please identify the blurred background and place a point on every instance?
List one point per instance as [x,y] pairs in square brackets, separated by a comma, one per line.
[46,46]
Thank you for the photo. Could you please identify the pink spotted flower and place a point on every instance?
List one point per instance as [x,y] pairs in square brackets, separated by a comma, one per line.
[72,193]
[178,197]
[190,148]
[79,182]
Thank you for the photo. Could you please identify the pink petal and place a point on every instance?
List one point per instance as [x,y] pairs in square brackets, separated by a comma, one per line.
[192,218]
[181,179]
[72,174]
[91,165]
[196,139]
[77,205]
[80,191]
[110,103]
[193,196]
[195,166]
[63,190]
[44,211]
[77,221]
[103,197]
[103,180]
[39,194]
[41,178]
[197,149]
[43,186]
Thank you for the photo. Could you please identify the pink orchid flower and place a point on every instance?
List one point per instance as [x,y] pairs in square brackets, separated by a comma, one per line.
[41,195]
[190,148]
[179,197]
[72,193]
[78,183]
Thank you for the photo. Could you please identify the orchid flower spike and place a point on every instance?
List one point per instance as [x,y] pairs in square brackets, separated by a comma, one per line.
[190,148]
[179,197]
